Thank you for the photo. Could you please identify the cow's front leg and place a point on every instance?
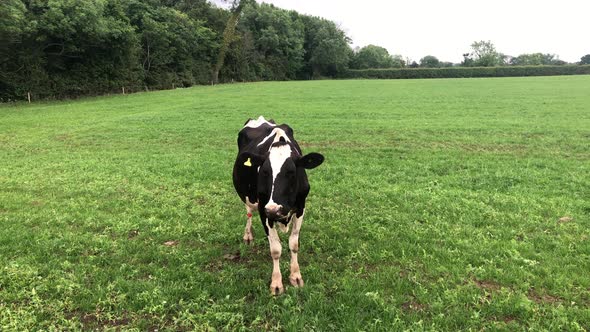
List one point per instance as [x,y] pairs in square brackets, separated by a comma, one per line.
[276,283]
[295,277]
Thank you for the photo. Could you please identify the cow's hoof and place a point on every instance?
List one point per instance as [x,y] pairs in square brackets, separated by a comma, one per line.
[296,280]
[276,289]
[248,239]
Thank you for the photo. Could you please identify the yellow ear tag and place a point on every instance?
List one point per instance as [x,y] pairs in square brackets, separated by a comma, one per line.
[248,163]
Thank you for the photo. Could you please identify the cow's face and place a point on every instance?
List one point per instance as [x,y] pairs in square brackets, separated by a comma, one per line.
[280,175]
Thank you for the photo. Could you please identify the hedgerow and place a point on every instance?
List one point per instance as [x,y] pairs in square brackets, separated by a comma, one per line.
[459,72]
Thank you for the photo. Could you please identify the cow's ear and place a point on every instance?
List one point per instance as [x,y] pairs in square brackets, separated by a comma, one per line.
[249,159]
[310,160]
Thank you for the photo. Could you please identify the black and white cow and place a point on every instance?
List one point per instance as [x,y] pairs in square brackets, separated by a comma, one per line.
[269,176]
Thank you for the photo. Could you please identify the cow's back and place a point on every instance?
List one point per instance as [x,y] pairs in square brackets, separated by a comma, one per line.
[249,137]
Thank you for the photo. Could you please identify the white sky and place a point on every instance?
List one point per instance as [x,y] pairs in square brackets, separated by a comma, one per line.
[446,29]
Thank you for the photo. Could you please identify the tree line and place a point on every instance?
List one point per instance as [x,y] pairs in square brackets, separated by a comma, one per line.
[67,48]
[481,54]
[79,47]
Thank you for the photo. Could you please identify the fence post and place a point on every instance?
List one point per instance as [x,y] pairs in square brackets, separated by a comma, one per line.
[123,90]
[29,96]
[172,86]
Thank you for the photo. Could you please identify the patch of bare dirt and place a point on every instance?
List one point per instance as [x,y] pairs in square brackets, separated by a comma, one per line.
[63,137]
[543,298]
[367,270]
[94,320]
[200,201]
[97,321]
[414,305]
[214,266]
[67,140]
[232,257]
[490,286]
[217,264]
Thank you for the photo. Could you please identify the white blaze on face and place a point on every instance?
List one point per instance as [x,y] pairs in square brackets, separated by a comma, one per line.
[277,157]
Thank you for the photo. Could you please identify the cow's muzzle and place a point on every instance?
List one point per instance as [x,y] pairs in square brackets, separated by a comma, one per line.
[275,212]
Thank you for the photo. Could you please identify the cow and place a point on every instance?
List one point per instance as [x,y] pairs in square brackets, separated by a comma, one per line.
[269,176]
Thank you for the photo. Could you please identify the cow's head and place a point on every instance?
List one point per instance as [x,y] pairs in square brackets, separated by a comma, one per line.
[281,173]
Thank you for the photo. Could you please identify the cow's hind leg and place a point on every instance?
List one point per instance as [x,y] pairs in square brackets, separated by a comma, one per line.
[250,208]
[295,277]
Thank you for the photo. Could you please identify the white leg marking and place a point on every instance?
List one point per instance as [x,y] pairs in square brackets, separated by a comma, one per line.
[295,277]
[250,209]
[248,237]
[276,284]
[284,228]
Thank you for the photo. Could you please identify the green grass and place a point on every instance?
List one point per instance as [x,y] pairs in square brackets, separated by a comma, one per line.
[437,208]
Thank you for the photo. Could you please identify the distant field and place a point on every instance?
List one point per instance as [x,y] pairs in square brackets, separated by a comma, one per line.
[442,205]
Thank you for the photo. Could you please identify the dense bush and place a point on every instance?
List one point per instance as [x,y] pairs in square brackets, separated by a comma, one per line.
[372,56]
[85,47]
[457,72]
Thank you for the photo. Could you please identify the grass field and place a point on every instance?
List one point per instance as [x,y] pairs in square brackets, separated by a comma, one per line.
[442,205]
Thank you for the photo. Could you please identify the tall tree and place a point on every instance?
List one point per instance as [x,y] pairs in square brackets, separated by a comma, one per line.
[278,37]
[585,60]
[229,36]
[397,61]
[15,58]
[175,48]
[484,54]
[326,48]
[371,56]
[430,61]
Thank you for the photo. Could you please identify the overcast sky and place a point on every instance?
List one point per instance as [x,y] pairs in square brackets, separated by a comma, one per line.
[446,28]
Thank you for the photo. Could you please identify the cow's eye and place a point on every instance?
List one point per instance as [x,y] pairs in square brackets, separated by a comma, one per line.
[265,172]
